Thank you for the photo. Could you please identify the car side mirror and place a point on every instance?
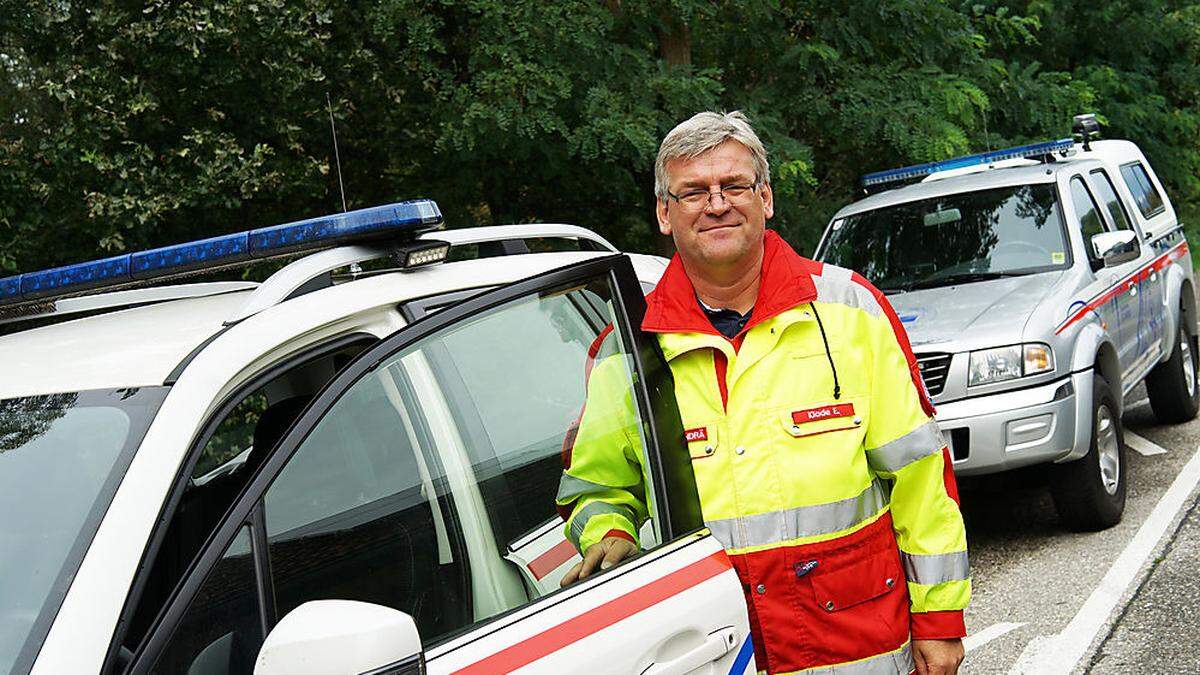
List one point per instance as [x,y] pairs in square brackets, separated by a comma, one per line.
[1115,248]
[342,636]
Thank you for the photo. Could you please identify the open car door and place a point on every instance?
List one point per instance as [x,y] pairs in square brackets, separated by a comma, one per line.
[422,480]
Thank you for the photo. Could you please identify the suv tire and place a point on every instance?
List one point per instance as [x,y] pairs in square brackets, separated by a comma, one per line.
[1174,394]
[1089,493]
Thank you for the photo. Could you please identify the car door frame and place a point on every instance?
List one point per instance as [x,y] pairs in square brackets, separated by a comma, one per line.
[1111,280]
[676,502]
[1148,327]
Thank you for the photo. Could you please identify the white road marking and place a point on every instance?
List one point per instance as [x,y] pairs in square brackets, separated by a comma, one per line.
[1060,653]
[988,634]
[1143,446]
[1139,402]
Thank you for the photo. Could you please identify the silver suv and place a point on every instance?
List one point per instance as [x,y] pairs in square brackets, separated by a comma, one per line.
[1038,285]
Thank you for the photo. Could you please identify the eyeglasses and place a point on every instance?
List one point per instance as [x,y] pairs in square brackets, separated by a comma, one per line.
[736,194]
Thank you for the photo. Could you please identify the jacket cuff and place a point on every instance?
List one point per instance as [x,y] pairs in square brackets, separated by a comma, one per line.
[945,625]
[620,534]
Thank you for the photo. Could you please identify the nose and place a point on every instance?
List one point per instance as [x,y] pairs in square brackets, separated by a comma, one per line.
[713,208]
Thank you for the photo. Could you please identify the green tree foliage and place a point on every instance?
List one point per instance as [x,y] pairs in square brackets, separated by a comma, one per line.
[125,124]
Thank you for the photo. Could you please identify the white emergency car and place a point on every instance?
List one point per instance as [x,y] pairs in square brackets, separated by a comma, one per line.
[338,472]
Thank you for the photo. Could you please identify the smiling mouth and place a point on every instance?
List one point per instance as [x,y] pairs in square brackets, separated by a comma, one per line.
[720,227]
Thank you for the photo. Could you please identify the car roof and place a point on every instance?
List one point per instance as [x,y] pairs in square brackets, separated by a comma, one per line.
[1008,174]
[142,346]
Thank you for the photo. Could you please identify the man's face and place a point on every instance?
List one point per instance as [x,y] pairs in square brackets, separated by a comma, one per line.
[721,233]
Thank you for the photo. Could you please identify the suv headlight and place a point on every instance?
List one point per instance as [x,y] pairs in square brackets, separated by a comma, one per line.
[989,366]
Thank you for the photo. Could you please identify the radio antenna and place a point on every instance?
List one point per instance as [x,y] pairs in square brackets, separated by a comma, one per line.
[336,156]
[355,268]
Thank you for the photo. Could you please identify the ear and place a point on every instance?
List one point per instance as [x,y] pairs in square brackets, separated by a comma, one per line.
[660,210]
[768,199]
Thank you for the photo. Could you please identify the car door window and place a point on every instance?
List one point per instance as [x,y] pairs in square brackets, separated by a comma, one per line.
[1149,201]
[221,631]
[1086,211]
[516,384]
[361,512]
[1108,196]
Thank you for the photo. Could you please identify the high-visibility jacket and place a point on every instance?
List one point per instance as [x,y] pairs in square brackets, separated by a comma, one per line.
[819,466]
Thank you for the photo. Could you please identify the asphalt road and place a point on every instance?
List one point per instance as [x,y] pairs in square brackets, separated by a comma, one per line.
[1140,580]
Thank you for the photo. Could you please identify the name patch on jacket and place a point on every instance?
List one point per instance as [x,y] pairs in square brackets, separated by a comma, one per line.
[697,434]
[827,412]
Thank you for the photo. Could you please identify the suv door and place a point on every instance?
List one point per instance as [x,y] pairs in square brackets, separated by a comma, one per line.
[1117,301]
[401,487]
[1148,297]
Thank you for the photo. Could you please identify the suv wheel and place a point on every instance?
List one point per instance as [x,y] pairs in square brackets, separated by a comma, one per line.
[1089,493]
[1174,396]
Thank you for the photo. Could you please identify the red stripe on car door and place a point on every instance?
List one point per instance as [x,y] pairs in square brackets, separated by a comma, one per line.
[594,620]
[549,561]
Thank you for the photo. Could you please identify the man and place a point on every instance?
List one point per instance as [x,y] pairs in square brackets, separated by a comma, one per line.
[819,466]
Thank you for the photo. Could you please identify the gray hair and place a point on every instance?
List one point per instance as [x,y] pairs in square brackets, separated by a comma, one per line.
[703,132]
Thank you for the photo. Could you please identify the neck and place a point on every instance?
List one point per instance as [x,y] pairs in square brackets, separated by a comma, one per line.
[732,286]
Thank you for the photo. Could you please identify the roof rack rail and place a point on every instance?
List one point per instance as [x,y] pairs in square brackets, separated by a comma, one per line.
[307,273]
[905,174]
[496,233]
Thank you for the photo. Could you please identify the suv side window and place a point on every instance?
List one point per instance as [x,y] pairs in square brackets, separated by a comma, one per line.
[222,629]
[362,512]
[1108,195]
[1149,201]
[516,385]
[1088,213]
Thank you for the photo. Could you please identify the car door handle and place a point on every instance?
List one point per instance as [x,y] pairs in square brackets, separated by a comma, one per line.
[715,646]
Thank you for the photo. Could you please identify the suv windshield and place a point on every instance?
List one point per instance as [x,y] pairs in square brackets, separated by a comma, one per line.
[61,459]
[971,236]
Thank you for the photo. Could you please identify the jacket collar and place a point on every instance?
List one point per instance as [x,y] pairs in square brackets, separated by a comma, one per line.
[786,281]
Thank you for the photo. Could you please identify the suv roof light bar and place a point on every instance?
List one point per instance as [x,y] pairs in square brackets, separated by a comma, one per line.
[400,220]
[1034,150]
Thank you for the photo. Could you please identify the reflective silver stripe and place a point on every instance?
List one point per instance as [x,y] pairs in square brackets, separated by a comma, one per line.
[581,518]
[803,521]
[899,662]
[835,284]
[936,569]
[571,488]
[916,444]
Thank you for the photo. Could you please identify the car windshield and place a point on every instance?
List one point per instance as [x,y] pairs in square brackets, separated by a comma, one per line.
[957,238]
[61,459]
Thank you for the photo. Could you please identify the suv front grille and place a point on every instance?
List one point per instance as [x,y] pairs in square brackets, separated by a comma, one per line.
[933,370]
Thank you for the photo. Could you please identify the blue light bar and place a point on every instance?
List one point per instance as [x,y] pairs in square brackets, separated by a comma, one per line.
[76,277]
[981,159]
[193,256]
[403,219]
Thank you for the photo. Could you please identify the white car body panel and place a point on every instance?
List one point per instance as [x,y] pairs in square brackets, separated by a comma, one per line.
[98,353]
